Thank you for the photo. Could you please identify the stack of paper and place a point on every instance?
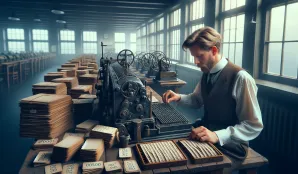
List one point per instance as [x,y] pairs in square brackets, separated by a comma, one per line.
[82,72]
[70,169]
[86,126]
[82,67]
[80,89]
[87,96]
[45,144]
[88,79]
[82,109]
[113,166]
[60,72]
[106,133]
[42,158]
[93,65]
[69,65]
[67,134]
[66,149]
[53,169]
[50,77]
[131,166]
[45,116]
[70,82]
[125,152]
[69,72]
[93,167]
[49,88]
[92,150]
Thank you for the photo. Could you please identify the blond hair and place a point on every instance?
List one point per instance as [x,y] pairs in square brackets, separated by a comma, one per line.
[205,38]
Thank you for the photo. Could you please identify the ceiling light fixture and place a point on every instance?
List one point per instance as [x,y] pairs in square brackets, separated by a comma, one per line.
[13,17]
[60,21]
[37,20]
[58,12]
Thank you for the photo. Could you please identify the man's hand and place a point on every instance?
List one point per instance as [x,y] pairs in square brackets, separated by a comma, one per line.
[170,96]
[203,134]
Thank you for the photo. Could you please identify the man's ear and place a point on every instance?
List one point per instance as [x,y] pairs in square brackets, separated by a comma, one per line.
[214,50]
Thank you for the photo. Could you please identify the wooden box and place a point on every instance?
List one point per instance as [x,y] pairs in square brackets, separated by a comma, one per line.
[200,160]
[147,165]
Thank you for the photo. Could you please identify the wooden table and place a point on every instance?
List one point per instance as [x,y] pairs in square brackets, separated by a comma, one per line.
[112,155]
[8,65]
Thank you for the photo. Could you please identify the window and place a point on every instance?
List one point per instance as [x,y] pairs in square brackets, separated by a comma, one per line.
[152,28]
[159,42]
[133,40]
[160,24]
[138,40]
[67,42]
[175,47]
[15,38]
[90,42]
[152,43]
[282,41]
[175,18]
[196,21]
[232,44]
[143,44]
[143,39]
[119,42]
[193,28]
[231,4]
[40,40]
[197,10]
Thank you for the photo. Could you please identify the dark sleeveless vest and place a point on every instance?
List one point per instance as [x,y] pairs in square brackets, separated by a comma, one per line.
[220,108]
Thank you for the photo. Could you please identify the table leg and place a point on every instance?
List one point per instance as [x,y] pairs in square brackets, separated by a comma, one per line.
[20,73]
[32,68]
[7,76]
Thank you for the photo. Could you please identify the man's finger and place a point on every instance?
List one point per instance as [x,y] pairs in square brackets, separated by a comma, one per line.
[204,138]
[199,129]
[201,134]
[163,97]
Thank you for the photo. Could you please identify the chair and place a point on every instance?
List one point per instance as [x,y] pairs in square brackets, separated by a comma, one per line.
[27,69]
[14,74]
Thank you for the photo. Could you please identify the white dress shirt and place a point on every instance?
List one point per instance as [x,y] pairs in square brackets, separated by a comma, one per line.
[247,106]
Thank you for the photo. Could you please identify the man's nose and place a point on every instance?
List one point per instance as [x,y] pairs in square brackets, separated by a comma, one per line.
[196,61]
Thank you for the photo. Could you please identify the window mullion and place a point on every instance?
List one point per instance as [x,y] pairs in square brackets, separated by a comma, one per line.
[283,39]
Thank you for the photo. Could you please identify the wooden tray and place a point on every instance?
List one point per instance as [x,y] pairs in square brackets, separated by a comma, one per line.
[148,166]
[211,158]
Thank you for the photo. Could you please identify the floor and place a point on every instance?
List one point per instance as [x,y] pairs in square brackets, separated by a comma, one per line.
[13,149]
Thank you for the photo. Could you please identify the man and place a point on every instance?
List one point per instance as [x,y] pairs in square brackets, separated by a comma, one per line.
[232,116]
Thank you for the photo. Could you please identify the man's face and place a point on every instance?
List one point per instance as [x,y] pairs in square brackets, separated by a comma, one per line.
[202,58]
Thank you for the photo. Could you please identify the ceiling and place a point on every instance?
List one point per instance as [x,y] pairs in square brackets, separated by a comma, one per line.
[93,14]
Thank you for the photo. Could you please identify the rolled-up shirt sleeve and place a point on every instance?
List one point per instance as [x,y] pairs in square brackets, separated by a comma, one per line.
[247,110]
[193,100]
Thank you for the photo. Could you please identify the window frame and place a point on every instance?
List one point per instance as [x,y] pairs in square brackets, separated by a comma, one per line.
[188,28]
[265,33]
[42,41]
[171,29]
[91,42]
[14,40]
[229,14]
[160,32]
[67,41]
[135,42]
[119,42]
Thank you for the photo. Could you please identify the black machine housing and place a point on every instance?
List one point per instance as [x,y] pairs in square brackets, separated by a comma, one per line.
[124,103]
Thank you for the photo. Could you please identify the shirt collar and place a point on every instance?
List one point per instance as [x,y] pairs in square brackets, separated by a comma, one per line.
[219,65]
